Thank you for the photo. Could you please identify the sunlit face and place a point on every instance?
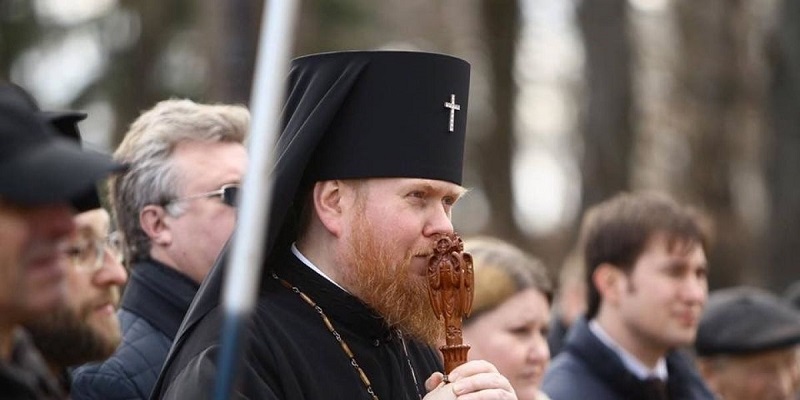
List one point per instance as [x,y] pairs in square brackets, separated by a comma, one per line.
[198,234]
[31,261]
[85,327]
[513,337]
[408,213]
[388,240]
[773,375]
[661,300]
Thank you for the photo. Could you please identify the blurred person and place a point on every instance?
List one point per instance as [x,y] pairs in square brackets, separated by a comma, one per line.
[747,345]
[646,273]
[40,174]
[569,303]
[85,327]
[176,208]
[369,167]
[510,314]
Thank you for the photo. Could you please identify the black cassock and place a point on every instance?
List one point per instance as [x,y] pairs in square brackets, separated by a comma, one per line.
[293,356]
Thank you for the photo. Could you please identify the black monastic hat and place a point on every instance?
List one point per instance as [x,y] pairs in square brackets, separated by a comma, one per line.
[371,114]
[744,320]
[359,114]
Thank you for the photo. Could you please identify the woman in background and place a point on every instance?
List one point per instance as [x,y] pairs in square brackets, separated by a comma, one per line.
[510,314]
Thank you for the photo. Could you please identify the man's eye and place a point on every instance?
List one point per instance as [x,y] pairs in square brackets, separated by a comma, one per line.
[417,194]
[520,330]
[449,201]
[73,251]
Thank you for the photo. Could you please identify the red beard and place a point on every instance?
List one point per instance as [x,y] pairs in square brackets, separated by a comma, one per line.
[389,286]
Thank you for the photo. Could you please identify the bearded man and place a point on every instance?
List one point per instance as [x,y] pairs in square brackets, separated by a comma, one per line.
[85,327]
[369,168]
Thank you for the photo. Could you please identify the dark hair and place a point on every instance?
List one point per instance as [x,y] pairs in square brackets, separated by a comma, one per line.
[617,230]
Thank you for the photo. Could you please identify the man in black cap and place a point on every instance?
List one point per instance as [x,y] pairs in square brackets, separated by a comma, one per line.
[85,326]
[40,174]
[369,167]
[747,345]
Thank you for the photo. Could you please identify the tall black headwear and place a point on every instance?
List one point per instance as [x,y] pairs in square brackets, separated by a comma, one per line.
[351,115]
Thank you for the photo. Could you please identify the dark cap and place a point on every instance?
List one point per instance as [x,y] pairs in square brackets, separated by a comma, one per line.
[792,295]
[744,320]
[66,122]
[37,166]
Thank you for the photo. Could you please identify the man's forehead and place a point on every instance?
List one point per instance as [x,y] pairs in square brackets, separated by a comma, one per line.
[432,185]
[95,222]
[673,251]
[673,243]
[10,215]
[21,210]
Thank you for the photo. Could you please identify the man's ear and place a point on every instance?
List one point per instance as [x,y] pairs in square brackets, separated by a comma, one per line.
[152,219]
[607,278]
[328,204]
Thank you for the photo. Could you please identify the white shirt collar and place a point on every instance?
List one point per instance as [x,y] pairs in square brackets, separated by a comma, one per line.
[629,360]
[313,267]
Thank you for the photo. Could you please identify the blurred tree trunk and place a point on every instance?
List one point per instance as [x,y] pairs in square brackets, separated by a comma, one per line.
[18,31]
[714,107]
[132,82]
[783,154]
[231,30]
[607,130]
[501,22]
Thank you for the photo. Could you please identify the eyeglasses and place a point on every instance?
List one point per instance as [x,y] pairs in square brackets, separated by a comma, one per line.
[229,194]
[90,254]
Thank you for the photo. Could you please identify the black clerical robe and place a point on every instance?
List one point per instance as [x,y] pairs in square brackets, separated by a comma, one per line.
[292,355]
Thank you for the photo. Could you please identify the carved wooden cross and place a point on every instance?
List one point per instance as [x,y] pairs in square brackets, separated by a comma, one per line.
[451,282]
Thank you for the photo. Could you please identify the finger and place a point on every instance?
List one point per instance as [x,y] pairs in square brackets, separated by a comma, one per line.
[482,381]
[471,368]
[434,381]
[490,394]
[441,392]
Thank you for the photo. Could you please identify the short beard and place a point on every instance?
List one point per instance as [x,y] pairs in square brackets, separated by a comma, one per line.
[388,287]
[66,339]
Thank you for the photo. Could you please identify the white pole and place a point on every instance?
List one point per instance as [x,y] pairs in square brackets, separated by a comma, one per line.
[243,274]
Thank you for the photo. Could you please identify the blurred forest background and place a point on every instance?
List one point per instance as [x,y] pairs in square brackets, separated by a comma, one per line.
[571,101]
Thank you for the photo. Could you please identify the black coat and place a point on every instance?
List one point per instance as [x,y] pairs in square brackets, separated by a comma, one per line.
[587,369]
[292,355]
[25,375]
[152,309]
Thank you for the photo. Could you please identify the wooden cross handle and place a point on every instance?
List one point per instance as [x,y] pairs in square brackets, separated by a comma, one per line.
[451,281]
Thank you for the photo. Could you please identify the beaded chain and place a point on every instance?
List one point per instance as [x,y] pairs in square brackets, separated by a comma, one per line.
[333,331]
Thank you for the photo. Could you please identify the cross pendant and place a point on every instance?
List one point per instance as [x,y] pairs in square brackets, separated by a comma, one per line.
[453,108]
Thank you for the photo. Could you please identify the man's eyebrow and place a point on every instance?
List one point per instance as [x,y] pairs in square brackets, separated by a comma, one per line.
[458,192]
[90,231]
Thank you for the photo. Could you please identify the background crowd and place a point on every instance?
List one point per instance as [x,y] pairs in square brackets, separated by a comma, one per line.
[665,271]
